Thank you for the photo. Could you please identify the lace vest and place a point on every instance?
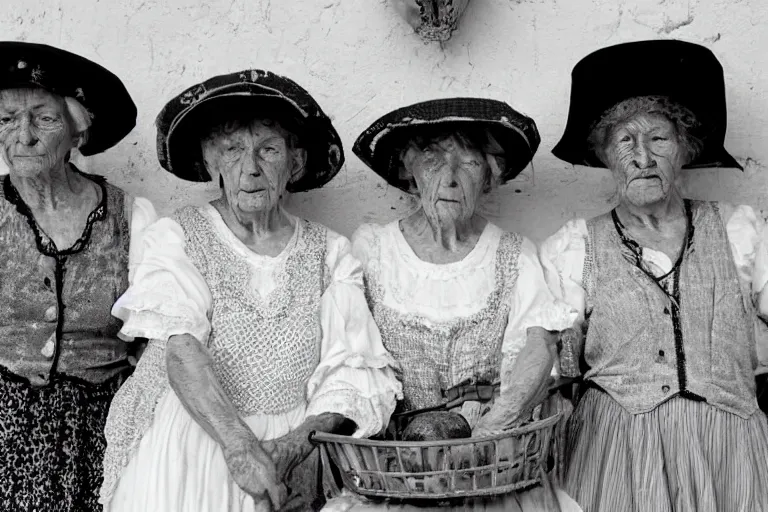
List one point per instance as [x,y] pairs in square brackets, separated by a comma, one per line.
[264,349]
[689,333]
[434,357]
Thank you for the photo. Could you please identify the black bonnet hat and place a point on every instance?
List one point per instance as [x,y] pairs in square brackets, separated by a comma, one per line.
[66,74]
[686,73]
[185,118]
[380,144]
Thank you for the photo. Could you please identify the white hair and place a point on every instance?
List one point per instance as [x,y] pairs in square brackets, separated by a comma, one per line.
[80,117]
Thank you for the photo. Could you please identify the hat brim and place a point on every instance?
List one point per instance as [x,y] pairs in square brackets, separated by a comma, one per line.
[184,122]
[189,128]
[66,74]
[380,145]
[709,158]
[385,161]
[691,76]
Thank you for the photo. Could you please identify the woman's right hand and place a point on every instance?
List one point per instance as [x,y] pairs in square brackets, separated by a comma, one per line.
[253,470]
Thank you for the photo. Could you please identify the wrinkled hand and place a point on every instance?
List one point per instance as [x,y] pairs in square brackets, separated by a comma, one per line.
[497,420]
[253,470]
[529,379]
[287,452]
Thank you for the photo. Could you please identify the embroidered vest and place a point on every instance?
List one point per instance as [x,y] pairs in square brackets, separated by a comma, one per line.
[55,316]
[645,345]
[437,356]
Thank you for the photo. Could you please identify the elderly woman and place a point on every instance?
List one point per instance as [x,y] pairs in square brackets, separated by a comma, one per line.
[64,237]
[258,327]
[456,298]
[667,287]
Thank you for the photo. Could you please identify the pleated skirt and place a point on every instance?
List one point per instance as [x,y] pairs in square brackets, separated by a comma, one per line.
[684,456]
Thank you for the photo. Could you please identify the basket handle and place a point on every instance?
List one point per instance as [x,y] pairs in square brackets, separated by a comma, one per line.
[330,487]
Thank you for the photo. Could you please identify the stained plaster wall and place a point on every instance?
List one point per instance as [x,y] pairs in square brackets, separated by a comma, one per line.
[360,59]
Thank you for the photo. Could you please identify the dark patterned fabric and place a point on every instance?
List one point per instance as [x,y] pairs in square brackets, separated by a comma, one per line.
[686,73]
[60,359]
[184,118]
[52,443]
[380,144]
[62,299]
[67,74]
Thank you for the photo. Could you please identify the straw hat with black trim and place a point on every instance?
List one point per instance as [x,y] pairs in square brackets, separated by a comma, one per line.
[685,73]
[188,116]
[65,74]
[380,144]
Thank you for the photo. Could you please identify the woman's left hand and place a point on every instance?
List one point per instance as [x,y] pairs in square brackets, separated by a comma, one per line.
[288,451]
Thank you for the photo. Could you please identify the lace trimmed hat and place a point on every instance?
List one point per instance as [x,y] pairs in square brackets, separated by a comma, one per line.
[380,144]
[185,119]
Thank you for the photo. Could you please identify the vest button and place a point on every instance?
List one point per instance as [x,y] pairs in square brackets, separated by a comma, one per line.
[665,389]
[666,310]
[51,314]
[661,353]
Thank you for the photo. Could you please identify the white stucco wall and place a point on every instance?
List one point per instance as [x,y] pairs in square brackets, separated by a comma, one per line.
[360,59]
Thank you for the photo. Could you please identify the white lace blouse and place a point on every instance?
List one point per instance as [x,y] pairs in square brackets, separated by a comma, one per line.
[444,292]
[562,257]
[169,296]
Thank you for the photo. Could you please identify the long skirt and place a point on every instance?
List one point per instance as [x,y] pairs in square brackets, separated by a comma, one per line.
[684,456]
[52,442]
[178,467]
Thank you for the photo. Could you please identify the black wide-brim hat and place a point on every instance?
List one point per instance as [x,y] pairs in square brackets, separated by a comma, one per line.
[187,117]
[687,73]
[380,144]
[66,74]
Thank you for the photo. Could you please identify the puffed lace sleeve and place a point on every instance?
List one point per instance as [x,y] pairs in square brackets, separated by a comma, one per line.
[356,376]
[749,246]
[533,305]
[167,294]
[142,215]
[363,242]
[744,228]
[562,258]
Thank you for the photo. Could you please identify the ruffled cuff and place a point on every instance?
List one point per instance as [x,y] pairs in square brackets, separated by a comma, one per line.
[355,376]
[160,317]
[363,389]
[168,295]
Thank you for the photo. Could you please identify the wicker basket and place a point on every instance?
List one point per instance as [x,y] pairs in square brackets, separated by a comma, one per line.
[437,470]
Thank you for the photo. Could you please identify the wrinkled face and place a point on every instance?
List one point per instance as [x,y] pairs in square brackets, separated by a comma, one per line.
[645,155]
[449,176]
[255,163]
[35,131]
